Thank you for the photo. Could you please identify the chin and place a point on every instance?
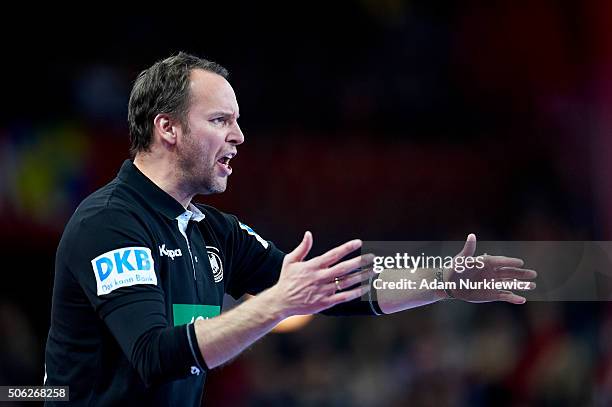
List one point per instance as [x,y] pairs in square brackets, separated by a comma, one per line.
[218,190]
[214,189]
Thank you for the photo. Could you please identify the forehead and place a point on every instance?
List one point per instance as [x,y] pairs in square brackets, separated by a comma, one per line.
[210,92]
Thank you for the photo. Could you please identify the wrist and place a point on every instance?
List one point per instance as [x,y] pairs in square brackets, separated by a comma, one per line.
[444,293]
[273,304]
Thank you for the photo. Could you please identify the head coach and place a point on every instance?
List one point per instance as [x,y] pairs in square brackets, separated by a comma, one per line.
[141,270]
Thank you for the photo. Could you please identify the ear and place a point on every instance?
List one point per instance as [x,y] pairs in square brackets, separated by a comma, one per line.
[167,129]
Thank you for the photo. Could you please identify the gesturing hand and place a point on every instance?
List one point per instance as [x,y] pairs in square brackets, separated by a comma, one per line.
[500,268]
[307,287]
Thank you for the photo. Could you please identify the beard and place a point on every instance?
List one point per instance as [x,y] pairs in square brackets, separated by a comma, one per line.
[196,174]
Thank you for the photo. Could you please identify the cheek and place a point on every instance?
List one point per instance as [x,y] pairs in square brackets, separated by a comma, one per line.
[205,141]
[212,144]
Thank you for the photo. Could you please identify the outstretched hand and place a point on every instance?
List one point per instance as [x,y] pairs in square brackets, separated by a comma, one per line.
[499,268]
[311,286]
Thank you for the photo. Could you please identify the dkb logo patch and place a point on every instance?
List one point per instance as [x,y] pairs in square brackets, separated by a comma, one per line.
[123,268]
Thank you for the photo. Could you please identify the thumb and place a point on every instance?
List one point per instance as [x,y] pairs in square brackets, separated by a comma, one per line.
[301,251]
[470,246]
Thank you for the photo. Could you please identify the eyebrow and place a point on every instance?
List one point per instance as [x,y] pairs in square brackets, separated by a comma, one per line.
[223,113]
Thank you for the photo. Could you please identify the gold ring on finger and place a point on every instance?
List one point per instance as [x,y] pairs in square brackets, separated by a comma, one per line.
[337,281]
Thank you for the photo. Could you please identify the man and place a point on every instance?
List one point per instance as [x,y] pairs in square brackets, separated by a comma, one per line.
[141,270]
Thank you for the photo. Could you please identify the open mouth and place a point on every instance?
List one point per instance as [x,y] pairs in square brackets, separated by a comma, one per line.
[224,162]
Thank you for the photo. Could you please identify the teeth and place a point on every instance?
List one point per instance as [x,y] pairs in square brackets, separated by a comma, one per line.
[226,158]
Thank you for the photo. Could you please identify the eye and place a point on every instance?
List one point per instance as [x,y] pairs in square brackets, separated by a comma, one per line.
[219,120]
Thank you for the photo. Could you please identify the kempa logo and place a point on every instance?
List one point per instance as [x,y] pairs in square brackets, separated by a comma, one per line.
[169,252]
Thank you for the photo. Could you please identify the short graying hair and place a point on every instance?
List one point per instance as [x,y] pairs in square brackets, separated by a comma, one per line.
[163,88]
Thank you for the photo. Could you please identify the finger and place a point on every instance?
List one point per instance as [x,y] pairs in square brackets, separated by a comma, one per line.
[349,295]
[515,272]
[301,251]
[329,289]
[469,248]
[347,282]
[500,295]
[520,285]
[503,261]
[509,296]
[354,278]
[332,256]
[346,266]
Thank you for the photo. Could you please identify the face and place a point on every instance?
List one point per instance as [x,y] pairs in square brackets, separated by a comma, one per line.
[211,139]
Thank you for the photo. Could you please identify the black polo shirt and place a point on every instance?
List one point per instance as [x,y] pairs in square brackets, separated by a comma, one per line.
[133,271]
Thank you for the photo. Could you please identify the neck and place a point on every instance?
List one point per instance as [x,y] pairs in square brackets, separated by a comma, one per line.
[165,176]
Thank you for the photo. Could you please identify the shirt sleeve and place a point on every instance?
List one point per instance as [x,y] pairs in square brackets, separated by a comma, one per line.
[256,263]
[113,258]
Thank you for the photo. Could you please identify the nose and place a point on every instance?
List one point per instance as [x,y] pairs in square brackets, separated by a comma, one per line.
[235,136]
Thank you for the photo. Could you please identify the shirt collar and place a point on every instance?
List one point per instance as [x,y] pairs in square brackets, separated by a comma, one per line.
[154,195]
[191,213]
